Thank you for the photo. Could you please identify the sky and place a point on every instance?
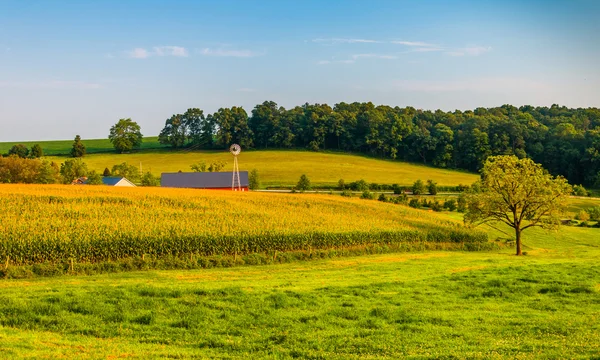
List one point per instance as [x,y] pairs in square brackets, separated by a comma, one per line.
[77,67]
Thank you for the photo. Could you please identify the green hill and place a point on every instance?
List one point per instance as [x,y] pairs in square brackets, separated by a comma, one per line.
[62,147]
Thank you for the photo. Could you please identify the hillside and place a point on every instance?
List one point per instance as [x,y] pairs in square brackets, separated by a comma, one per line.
[62,147]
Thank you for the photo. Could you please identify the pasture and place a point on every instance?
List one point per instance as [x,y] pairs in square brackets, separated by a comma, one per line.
[63,147]
[482,305]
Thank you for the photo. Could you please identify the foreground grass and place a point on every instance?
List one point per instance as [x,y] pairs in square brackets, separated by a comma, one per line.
[419,305]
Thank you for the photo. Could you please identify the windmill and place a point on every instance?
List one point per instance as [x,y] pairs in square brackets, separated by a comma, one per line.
[236,184]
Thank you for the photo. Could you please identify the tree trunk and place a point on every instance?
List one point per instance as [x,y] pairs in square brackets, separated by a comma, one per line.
[518,233]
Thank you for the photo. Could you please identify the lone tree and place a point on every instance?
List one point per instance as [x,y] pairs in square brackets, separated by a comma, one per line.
[253,180]
[518,193]
[303,184]
[36,151]
[78,149]
[125,135]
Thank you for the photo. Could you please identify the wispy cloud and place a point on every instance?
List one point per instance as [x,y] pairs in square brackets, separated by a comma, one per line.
[373,56]
[170,51]
[229,53]
[470,51]
[50,84]
[493,84]
[332,41]
[142,53]
[327,62]
[414,43]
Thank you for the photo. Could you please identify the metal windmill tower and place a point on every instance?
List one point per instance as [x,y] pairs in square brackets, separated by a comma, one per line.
[236,184]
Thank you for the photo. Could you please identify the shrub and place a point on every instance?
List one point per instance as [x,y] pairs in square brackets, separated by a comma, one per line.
[346,193]
[253,180]
[436,206]
[36,151]
[359,185]
[150,180]
[461,203]
[432,187]
[579,190]
[414,203]
[341,184]
[106,172]
[418,188]
[367,195]
[382,197]
[93,178]
[450,204]
[127,171]
[303,184]
[397,189]
[374,186]
[582,216]
[594,213]
[19,150]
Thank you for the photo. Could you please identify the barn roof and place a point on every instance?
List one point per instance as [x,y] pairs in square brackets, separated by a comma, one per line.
[113,180]
[202,180]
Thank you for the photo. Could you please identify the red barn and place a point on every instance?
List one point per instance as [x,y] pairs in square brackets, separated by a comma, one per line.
[203,180]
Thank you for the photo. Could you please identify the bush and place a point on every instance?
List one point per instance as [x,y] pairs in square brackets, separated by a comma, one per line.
[127,171]
[19,150]
[253,180]
[397,189]
[73,169]
[36,151]
[374,186]
[303,184]
[418,188]
[432,187]
[93,178]
[341,184]
[579,190]
[106,172]
[346,193]
[594,213]
[150,180]
[450,204]
[359,185]
[461,203]
[367,195]
[435,206]
[414,203]
[383,198]
[582,216]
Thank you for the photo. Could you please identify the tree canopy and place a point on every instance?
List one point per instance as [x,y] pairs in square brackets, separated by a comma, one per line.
[518,193]
[78,149]
[125,135]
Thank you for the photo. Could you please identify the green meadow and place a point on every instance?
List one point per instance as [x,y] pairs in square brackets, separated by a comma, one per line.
[63,147]
[421,305]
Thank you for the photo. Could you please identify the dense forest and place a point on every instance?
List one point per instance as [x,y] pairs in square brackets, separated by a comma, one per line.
[565,141]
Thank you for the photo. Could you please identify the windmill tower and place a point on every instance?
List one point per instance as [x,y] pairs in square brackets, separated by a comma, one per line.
[236,184]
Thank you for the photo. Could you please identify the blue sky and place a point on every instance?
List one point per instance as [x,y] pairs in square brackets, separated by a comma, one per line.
[75,67]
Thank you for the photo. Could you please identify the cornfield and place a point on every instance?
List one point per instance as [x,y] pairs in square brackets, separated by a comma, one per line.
[93,223]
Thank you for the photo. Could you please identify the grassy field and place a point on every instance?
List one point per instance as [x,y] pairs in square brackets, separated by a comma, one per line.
[283,168]
[485,305]
[63,147]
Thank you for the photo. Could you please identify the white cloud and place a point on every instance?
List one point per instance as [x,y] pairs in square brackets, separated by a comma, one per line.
[470,51]
[373,56]
[229,53]
[171,51]
[413,43]
[327,62]
[138,53]
[51,84]
[493,84]
[345,41]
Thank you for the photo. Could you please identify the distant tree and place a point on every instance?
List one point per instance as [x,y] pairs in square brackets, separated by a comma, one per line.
[93,178]
[125,135]
[127,171]
[432,187]
[579,190]
[175,132]
[253,180]
[582,215]
[19,150]
[303,184]
[14,169]
[341,184]
[382,197]
[518,193]
[361,185]
[367,195]
[418,187]
[36,151]
[199,167]
[594,213]
[106,172]
[450,204]
[150,180]
[73,169]
[49,173]
[78,149]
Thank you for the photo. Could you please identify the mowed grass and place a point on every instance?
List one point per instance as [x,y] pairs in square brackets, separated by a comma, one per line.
[63,147]
[408,305]
[284,168]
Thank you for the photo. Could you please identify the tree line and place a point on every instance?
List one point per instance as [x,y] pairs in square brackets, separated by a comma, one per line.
[565,141]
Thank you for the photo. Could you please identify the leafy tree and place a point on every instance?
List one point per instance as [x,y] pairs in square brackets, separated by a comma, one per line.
[19,150]
[583,215]
[175,132]
[125,135]
[432,187]
[418,187]
[73,169]
[150,180]
[216,166]
[303,184]
[127,171]
[579,190]
[518,193]
[78,149]
[36,151]
[14,169]
[450,204]
[253,180]
[93,178]
[382,197]
[341,184]
[106,172]
[594,213]
[199,167]
[367,195]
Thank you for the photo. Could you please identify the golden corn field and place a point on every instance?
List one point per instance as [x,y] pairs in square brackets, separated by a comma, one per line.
[57,223]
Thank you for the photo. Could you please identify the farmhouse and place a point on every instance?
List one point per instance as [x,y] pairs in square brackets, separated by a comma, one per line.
[203,180]
[116,181]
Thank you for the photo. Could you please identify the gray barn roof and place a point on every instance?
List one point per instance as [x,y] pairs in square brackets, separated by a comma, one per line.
[201,180]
